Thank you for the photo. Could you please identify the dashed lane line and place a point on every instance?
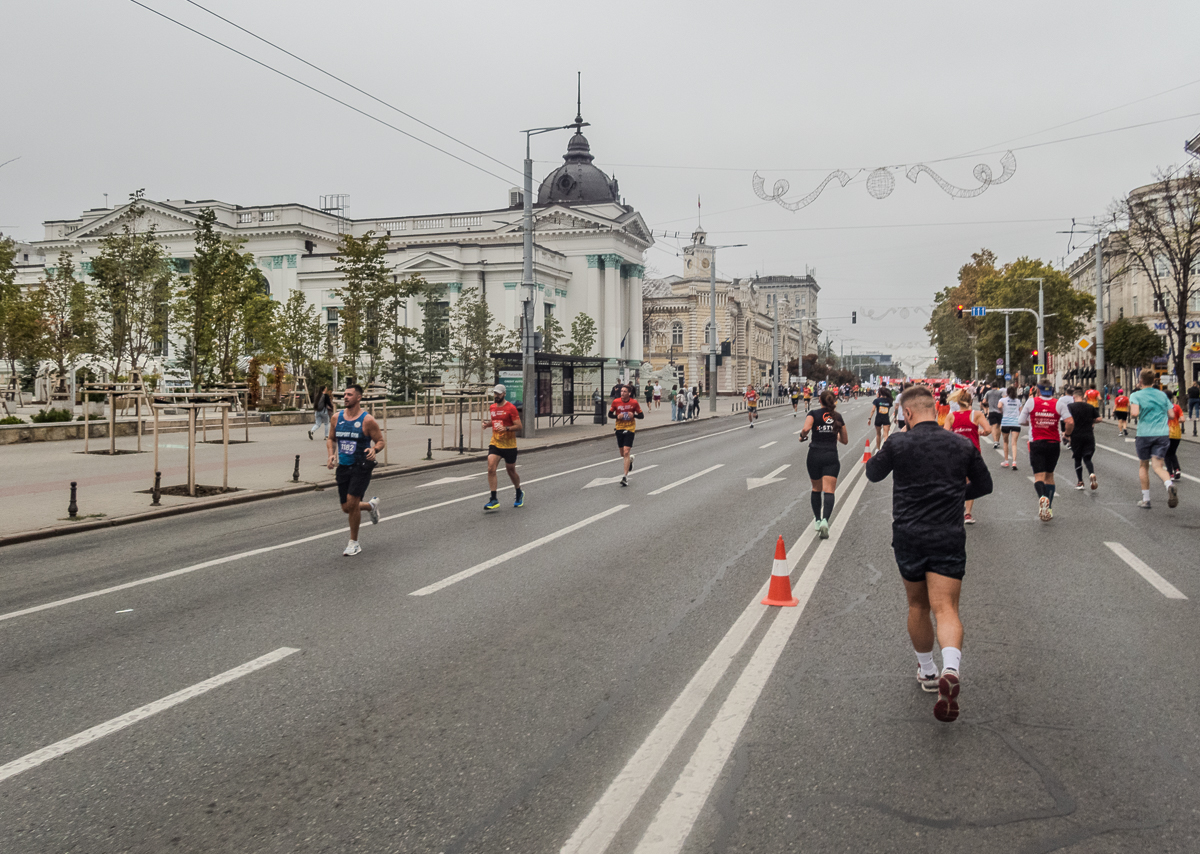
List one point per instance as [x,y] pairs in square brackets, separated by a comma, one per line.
[1132,457]
[670,486]
[1159,583]
[769,444]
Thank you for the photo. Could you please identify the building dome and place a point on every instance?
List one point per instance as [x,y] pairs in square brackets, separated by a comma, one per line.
[577,181]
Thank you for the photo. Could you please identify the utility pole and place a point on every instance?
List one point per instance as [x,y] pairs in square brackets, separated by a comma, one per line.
[1041,322]
[775,350]
[712,319]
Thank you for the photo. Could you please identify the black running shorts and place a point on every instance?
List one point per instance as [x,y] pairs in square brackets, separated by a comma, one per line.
[624,438]
[994,418]
[1010,428]
[1043,455]
[353,480]
[823,462]
[509,455]
[914,565]
[883,421]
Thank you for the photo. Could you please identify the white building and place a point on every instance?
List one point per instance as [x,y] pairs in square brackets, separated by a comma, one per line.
[589,249]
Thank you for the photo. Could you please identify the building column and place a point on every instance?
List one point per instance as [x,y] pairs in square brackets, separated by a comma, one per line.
[612,307]
[595,298]
[634,274]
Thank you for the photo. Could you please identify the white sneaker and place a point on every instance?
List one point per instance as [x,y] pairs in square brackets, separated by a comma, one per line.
[352,548]
[374,511]
[1172,495]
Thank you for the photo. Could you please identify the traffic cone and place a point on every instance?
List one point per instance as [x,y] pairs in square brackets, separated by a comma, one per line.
[780,591]
[867,451]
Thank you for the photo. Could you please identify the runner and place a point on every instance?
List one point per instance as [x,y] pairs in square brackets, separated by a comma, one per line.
[795,400]
[943,407]
[1083,436]
[505,423]
[970,424]
[880,417]
[1092,396]
[1121,412]
[992,402]
[623,412]
[898,413]
[352,444]
[824,465]
[1043,413]
[935,473]
[751,405]
[1151,408]
[1174,436]
[807,396]
[1010,426]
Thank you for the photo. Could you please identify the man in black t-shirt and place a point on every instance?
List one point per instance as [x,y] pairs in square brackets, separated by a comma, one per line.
[1083,437]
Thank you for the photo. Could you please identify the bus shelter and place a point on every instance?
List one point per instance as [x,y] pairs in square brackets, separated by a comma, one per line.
[563,385]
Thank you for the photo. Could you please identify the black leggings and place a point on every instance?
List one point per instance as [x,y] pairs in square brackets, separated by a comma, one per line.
[1082,448]
[1171,460]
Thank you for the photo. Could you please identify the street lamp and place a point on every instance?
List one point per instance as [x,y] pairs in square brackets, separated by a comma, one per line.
[712,323]
[1041,321]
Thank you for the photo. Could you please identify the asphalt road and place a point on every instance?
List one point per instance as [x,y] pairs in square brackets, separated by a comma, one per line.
[600,676]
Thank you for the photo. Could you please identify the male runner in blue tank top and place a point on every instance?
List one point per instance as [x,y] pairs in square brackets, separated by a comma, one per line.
[353,440]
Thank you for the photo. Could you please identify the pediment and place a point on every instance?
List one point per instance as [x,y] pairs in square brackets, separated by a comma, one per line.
[161,217]
[430,262]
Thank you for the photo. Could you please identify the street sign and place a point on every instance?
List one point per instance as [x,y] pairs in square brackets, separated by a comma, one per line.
[1084,343]
[999,370]
[999,363]
[978,311]
[1039,369]
[1008,376]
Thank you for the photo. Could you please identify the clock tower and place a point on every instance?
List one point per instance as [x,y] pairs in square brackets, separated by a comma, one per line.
[698,257]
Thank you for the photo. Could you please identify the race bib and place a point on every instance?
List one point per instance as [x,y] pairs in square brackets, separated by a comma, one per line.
[883,410]
[347,447]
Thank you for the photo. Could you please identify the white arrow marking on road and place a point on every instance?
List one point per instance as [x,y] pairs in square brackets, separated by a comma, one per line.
[756,482]
[604,481]
[663,489]
[453,479]
[769,444]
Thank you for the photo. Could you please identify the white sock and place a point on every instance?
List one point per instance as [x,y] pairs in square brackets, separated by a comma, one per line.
[925,661]
[1145,495]
[1167,483]
[951,658]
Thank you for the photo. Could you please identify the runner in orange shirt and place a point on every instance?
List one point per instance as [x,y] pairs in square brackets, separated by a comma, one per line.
[624,410]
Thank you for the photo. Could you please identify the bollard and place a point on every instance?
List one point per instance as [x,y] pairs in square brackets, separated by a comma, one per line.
[429,451]
[157,491]
[296,470]
[460,441]
[72,508]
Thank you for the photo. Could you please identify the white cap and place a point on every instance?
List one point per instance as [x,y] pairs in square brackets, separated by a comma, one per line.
[499,389]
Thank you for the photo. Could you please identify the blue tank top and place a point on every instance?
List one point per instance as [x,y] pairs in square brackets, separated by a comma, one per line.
[351,439]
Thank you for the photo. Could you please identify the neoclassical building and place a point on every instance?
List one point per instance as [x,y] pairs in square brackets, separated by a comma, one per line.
[676,328]
[589,249]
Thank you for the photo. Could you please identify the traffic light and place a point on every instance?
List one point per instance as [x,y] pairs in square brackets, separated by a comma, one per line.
[854,317]
[960,311]
[1034,353]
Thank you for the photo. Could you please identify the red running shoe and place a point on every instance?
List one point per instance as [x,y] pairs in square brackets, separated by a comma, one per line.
[946,707]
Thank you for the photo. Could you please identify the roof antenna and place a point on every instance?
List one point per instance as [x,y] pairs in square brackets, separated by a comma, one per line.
[578,97]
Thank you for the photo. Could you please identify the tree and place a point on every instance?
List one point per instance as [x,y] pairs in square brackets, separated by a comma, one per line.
[472,337]
[583,335]
[1162,240]
[1129,344]
[133,277]
[62,305]
[552,333]
[947,332]
[406,360]
[300,333]
[368,287]
[435,334]
[193,306]
[239,311]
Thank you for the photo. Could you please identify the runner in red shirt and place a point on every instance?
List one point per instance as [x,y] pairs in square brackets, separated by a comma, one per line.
[752,405]
[1121,412]
[969,424]
[505,423]
[1042,412]
[624,410]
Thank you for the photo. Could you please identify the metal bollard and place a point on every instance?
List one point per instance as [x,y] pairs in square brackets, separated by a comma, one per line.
[72,508]
[460,441]
[296,470]
[156,493]
[429,450]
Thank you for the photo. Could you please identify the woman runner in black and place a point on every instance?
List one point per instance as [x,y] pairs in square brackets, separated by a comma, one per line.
[824,466]
[881,408]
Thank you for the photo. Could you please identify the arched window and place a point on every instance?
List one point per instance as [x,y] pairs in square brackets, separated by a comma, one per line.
[677,334]
[646,338]
[708,334]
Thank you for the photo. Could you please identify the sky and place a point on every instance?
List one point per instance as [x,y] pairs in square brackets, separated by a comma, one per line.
[685,100]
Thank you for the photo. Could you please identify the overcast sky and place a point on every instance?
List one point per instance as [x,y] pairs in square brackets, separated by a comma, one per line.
[684,99]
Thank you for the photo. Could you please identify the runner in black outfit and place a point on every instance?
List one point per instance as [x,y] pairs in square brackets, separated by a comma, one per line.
[1083,437]
[824,466]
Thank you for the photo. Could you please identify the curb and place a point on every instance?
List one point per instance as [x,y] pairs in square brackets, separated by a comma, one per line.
[281,492]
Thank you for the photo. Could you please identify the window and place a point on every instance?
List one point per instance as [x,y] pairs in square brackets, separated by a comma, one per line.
[708,334]
[1135,306]
[1161,267]
[245,217]
[268,216]
[646,338]
[331,327]
[677,334]
[436,334]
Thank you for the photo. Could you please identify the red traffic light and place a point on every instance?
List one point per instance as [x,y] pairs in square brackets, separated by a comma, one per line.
[960,311]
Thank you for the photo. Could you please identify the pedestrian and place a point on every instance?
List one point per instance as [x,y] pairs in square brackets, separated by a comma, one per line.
[505,423]
[1174,437]
[1193,399]
[615,391]
[1010,426]
[880,417]
[1152,409]
[695,401]
[352,444]
[673,399]
[322,406]
[934,473]
[992,402]
[657,394]
[1083,436]
[625,411]
[1121,412]
[1043,414]
[751,405]
[970,424]
[824,465]
[649,392]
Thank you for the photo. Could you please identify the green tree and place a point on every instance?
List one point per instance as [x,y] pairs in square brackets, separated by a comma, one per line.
[472,339]
[404,367]
[300,332]
[435,334]
[62,304]
[552,334]
[10,303]
[367,288]
[193,306]
[583,335]
[1131,345]
[238,308]
[133,277]
[947,332]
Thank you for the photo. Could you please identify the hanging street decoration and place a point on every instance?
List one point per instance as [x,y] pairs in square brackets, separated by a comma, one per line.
[882,181]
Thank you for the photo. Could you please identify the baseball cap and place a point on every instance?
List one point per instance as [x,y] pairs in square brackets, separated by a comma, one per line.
[1046,390]
[499,389]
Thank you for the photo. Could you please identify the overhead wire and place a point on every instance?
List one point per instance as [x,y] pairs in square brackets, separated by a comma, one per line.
[321,92]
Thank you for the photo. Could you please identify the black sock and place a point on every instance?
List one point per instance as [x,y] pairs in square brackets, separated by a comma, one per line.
[1039,488]
[1078,473]
[828,496]
[816,504]
[493,495]
[1050,493]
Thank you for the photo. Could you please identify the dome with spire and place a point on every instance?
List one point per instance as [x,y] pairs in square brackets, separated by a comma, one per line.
[578,181]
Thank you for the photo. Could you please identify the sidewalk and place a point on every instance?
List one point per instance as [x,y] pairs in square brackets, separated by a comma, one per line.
[36,485]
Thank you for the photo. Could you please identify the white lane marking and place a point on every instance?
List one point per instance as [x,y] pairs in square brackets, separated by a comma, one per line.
[520,550]
[769,444]
[663,489]
[61,748]
[603,481]
[675,818]
[1132,457]
[452,479]
[597,831]
[1159,583]
[756,482]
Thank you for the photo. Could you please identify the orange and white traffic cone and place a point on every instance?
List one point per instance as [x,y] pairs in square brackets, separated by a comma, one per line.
[780,591]
[867,451]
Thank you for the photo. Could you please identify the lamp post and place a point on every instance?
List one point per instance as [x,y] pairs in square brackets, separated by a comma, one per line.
[712,322]
[1041,321]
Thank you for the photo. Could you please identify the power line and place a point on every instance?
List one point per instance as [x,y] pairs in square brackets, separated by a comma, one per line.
[355,88]
[320,92]
[896,225]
